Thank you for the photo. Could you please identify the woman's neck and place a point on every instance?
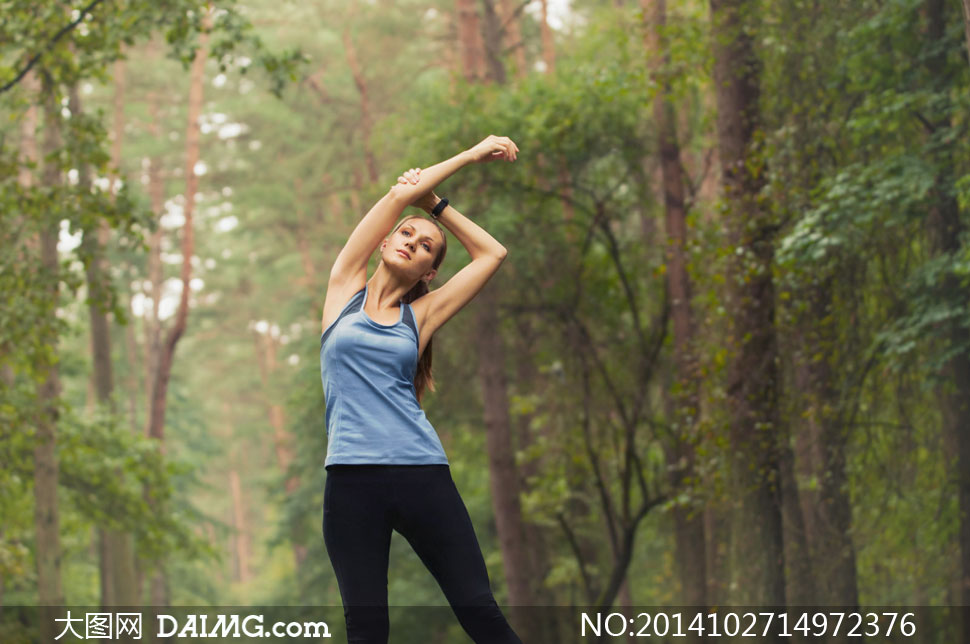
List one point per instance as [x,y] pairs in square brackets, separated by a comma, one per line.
[385,289]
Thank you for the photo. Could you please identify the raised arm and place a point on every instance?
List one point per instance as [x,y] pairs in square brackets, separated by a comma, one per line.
[349,271]
[440,305]
[351,262]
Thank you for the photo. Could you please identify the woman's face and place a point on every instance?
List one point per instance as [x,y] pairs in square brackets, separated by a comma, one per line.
[413,248]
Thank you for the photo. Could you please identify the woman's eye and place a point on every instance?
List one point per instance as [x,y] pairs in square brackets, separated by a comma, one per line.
[426,247]
[404,232]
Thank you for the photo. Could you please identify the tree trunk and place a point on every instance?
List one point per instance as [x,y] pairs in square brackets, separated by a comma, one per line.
[755,430]
[688,520]
[626,603]
[152,325]
[302,234]
[366,119]
[492,39]
[160,386]
[945,229]
[266,358]
[131,357]
[117,587]
[565,186]
[470,41]
[966,25]
[156,427]
[46,521]
[511,13]
[528,381]
[124,545]
[717,530]
[548,49]
[503,476]
[241,537]
[829,510]
[799,578]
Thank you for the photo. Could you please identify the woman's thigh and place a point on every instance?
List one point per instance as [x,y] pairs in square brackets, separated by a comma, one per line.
[357,532]
[434,520]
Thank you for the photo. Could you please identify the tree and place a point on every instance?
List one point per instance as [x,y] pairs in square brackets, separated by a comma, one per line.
[755,428]
[688,521]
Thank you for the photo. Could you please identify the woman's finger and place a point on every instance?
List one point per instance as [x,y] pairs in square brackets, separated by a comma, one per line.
[513,149]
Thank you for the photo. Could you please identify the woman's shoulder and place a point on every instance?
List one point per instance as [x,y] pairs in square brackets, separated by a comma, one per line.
[337,303]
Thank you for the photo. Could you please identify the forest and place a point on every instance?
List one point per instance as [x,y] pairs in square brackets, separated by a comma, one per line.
[726,361]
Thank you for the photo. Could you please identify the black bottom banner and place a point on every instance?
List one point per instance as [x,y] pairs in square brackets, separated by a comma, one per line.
[439,624]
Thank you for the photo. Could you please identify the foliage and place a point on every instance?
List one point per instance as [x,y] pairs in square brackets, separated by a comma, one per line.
[864,135]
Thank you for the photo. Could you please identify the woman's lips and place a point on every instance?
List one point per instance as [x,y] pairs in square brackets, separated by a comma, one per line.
[404,253]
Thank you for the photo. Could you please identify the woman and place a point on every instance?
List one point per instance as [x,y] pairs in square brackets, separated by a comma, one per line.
[386,469]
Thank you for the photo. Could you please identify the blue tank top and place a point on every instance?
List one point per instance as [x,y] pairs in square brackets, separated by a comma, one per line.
[367,368]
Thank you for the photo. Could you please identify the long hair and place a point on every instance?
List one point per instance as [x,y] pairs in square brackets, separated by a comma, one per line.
[422,377]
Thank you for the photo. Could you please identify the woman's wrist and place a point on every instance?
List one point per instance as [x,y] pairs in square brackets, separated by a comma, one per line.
[428,207]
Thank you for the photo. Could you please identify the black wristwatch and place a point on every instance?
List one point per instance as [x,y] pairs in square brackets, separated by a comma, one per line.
[439,208]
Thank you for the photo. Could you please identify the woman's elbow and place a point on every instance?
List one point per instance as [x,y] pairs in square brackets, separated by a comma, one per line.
[501,252]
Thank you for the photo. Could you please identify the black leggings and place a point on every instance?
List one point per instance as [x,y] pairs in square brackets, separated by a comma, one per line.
[363,503]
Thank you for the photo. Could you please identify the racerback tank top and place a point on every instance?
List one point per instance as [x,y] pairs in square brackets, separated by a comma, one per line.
[367,368]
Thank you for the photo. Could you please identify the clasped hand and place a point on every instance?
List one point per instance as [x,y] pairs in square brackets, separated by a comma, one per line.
[491,148]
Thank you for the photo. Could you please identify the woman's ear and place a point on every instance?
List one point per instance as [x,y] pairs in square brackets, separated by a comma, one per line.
[429,275]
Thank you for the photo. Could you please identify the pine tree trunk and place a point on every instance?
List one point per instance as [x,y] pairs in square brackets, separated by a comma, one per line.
[688,521]
[503,476]
[799,578]
[823,437]
[156,429]
[164,371]
[528,381]
[470,41]
[241,537]
[492,40]
[966,25]
[366,119]
[626,604]
[117,573]
[121,545]
[717,532]
[46,520]
[510,16]
[92,242]
[548,48]
[945,229]
[152,325]
[266,358]
[755,430]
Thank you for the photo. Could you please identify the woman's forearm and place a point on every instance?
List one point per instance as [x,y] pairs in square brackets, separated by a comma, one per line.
[430,178]
[473,237]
